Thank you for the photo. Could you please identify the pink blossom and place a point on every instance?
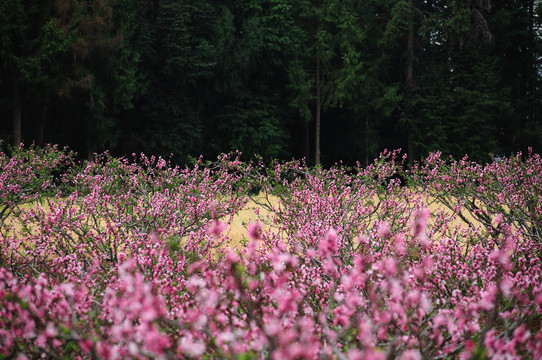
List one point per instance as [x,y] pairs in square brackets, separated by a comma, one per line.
[365,335]
[410,355]
[506,285]
[522,334]
[399,243]
[190,347]
[255,231]
[286,301]
[342,316]
[329,245]
[384,229]
[371,354]
[488,298]
[216,228]
[389,266]
[298,289]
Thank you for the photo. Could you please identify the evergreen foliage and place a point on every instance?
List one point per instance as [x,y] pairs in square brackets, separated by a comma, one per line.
[327,80]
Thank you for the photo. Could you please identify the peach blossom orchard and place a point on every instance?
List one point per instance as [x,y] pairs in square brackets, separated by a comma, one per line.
[130,258]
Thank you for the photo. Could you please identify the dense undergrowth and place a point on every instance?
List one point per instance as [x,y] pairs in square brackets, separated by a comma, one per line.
[129,258]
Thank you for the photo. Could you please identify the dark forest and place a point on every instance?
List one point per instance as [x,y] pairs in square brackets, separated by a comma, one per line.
[325,80]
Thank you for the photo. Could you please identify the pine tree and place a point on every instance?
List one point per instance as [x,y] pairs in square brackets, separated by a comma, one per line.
[34,43]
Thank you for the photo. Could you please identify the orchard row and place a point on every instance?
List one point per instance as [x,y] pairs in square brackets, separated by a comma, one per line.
[117,258]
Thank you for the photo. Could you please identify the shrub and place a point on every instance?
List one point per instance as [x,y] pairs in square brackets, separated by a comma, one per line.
[135,263]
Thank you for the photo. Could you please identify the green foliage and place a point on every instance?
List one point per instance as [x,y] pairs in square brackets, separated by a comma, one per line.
[33,46]
[32,174]
[461,106]
[255,128]
[400,16]
[206,77]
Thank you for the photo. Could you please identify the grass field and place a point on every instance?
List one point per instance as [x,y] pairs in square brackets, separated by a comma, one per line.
[253,212]
[236,231]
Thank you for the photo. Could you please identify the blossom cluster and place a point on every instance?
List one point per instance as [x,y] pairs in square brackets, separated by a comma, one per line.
[131,259]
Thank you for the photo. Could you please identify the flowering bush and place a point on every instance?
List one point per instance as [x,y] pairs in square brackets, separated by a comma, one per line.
[134,262]
[28,174]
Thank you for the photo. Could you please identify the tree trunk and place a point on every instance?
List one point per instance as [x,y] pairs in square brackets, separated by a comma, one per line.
[409,82]
[17,124]
[367,140]
[90,154]
[306,139]
[41,125]
[533,60]
[317,138]
[88,141]
[410,53]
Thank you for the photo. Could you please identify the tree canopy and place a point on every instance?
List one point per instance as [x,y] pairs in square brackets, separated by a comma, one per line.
[327,80]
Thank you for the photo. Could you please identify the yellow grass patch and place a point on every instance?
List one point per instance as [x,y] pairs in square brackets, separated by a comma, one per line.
[257,209]
[252,212]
